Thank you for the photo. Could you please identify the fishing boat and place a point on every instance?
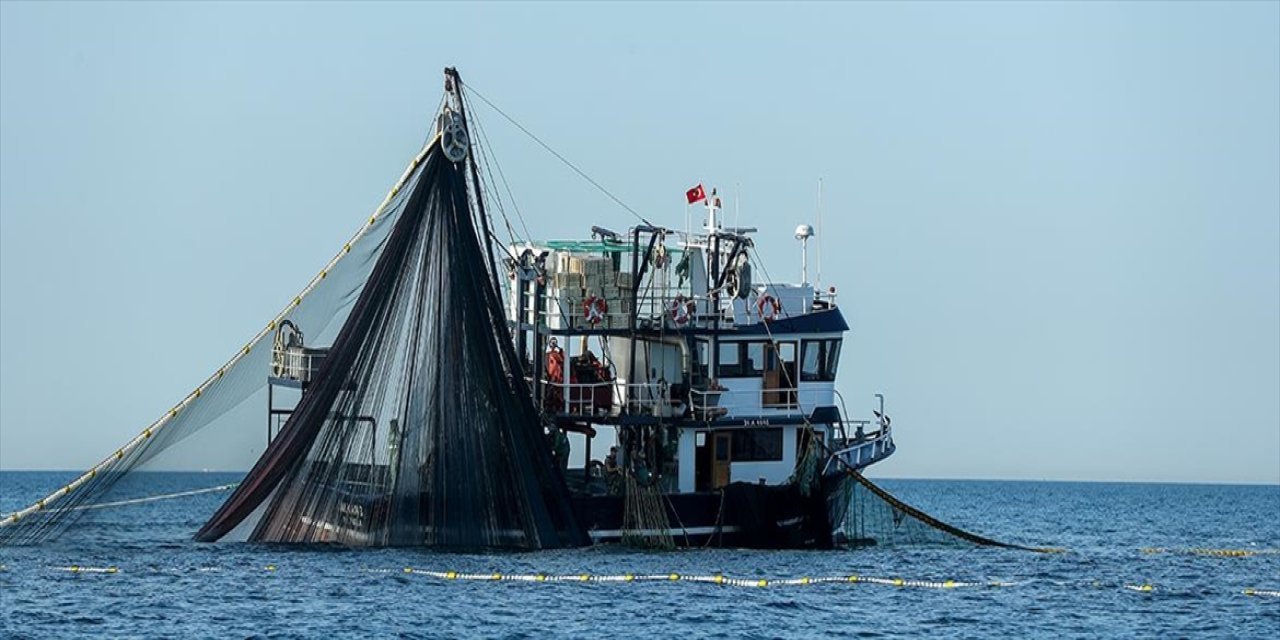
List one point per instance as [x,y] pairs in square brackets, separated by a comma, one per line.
[436,386]
[680,371]
[679,377]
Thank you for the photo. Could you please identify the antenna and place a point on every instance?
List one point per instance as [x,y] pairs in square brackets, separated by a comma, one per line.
[737,203]
[819,232]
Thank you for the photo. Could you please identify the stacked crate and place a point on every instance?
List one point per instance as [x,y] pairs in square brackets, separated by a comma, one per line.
[564,305]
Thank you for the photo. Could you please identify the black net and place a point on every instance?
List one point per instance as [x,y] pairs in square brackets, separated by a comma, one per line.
[218,425]
[419,429]
[863,514]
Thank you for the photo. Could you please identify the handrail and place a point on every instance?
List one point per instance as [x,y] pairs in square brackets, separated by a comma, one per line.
[789,397]
[296,363]
[876,445]
[652,394]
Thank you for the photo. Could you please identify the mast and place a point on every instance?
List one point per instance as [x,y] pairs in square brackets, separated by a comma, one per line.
[453,89]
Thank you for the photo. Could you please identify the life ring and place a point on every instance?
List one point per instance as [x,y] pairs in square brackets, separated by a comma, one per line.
[768,308]
[593,309]
[681,310]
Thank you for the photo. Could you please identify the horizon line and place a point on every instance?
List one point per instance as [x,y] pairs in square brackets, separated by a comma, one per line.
[1249,483]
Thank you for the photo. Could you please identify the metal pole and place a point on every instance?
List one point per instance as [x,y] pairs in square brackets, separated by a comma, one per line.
[804,261]
[270,407]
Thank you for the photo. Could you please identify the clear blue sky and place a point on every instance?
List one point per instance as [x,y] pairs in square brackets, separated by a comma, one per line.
[1055,227]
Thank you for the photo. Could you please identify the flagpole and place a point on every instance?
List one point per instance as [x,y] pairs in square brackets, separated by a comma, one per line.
[687,228]
[737,204]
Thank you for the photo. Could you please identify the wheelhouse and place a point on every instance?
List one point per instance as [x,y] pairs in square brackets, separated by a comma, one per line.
[661,344]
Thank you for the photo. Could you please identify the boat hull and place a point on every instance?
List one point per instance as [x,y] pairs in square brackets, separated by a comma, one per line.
[741,515]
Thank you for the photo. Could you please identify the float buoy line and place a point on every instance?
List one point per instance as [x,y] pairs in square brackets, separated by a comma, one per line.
[718,579]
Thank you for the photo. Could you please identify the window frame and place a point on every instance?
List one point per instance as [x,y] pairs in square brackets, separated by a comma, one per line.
[819,363]
[741,451]
[731,370]
[831,359]
[828,359]
[746,366]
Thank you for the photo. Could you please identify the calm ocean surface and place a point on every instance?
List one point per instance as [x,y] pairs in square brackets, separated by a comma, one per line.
[168,586]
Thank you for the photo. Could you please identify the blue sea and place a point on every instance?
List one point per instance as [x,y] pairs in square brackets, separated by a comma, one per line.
[1134,565]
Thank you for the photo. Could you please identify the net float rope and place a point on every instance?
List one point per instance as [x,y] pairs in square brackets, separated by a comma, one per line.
[718,579]
[1220,553]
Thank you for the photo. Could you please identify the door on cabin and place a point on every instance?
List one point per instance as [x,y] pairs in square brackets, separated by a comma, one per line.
[780,381]
[721,458]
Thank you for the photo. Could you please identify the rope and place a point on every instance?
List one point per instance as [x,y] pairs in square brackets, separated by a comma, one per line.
[547,147]
[488,153]
[645,520]
[167,496]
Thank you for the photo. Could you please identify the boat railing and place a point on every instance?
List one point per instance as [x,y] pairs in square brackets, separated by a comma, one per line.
[651,398]
[674,308]
[825,299]
[671,308]
[862,449]
[616,397]
[297,363]
[790,399]
[613,397]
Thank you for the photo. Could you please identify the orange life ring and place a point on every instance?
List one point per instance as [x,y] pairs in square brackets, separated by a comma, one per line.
[681,310]
[593,309]
[767,307]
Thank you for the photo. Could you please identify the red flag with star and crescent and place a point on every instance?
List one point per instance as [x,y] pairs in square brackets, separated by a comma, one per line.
[695,194]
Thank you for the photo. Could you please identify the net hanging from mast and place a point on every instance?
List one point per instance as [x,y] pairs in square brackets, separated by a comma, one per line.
[420,428]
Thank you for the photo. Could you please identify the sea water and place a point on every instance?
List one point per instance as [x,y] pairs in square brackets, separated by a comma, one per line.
[1134,564]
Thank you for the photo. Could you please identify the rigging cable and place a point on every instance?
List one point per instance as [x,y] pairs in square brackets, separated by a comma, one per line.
[489,153]
[482,160]
[559,157]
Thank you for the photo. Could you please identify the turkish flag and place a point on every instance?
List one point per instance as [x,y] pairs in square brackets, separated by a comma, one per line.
[695,194]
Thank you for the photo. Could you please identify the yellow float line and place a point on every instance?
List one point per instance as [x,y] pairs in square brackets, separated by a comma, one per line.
[1221,553]
[719,579]
[1262,592]
[79,569]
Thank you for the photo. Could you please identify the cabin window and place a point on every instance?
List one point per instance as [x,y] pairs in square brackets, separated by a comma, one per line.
[704,359]
[730,360]
[819,361]
[757,445]
[831,360]
[811,361]
[753,365]
[786,352]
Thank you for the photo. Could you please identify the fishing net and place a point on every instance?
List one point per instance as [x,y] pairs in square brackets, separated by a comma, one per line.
[219,424]
[863,514]
[419,428]
[644,521]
